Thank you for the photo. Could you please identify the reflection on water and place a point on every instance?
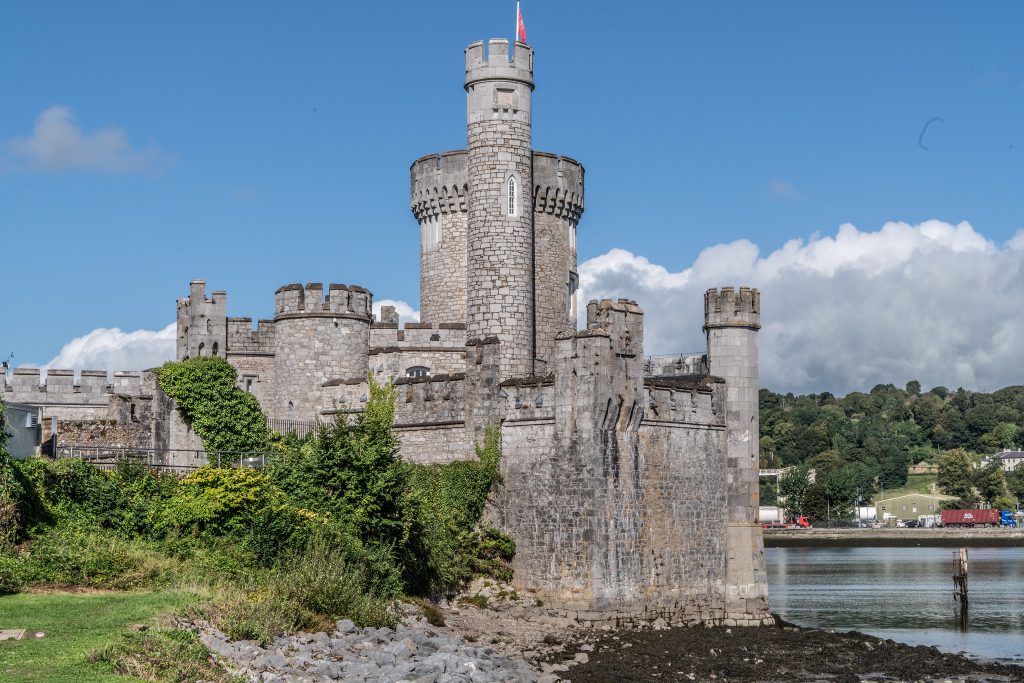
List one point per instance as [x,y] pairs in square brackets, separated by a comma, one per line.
[905,594]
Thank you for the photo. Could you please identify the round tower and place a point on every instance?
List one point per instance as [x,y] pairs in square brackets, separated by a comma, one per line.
[439,199]
[499,283]
[316,339]
[731,321]
[557,207]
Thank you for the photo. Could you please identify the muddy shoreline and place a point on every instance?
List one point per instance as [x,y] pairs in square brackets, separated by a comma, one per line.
[756,655]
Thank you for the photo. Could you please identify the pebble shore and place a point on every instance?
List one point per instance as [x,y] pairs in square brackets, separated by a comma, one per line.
[413,652]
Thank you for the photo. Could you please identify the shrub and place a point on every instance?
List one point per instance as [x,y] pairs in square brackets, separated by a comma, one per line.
[222,415]
[218,501]
[352,473]
[450,546]
[12,574]
[162,655]
[69,556]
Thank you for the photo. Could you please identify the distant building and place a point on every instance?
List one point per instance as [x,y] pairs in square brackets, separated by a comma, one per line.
[1008,459]
[910,505]
[21,427]
[923,468]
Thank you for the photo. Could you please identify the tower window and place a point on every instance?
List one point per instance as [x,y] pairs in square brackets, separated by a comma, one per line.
[512,196]
[215,348]
[417,371]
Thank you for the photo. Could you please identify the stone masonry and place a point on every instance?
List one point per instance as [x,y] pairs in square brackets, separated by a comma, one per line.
[629,486]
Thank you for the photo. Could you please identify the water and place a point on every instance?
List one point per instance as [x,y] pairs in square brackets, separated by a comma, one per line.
[905,594]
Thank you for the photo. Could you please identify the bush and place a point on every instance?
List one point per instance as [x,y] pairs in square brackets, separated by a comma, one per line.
[451,547]
[69,556]
[218,502]
[12,574]
[162,655]
[222,415]
[308,592]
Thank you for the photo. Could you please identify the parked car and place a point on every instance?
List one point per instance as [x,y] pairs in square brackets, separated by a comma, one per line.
[912,524]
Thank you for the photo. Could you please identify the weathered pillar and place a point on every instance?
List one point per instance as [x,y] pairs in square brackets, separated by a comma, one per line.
[731,320]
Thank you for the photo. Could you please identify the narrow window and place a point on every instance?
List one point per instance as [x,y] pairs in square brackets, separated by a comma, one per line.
[202,347]
[512,196]
[215,348]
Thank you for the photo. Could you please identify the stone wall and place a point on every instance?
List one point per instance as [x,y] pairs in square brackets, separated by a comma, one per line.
[558,204]
[439,198]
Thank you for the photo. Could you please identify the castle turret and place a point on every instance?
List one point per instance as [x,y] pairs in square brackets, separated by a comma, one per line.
[202,322]
[731,320]
[439,198]
[316,339]
[500,282]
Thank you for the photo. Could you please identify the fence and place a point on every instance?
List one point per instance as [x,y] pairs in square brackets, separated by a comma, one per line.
[677,364]
[175,460]
[300,428]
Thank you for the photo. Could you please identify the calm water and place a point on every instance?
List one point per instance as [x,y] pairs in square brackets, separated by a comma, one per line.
[905,594]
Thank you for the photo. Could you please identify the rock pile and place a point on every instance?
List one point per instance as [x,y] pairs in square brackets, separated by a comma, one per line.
[414,652]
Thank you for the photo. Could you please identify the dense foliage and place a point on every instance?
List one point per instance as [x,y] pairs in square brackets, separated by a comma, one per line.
[338,526]
[863,443]
[221,414]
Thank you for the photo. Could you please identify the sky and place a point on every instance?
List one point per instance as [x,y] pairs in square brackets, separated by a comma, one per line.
[860,163]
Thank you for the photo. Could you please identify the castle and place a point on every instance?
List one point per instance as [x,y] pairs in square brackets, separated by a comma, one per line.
[629,486]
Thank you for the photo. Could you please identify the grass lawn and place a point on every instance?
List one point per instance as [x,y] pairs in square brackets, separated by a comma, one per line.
[916,483]
[76,624]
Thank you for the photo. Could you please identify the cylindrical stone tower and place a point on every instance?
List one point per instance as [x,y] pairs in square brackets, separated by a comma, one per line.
[439,200]
[317,339]
[500,287]
[731,320]
[557,206]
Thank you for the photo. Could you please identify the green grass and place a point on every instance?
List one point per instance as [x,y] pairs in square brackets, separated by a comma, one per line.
[916,483]
[76,625]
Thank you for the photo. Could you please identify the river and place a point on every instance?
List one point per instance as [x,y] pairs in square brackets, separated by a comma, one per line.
[905,594]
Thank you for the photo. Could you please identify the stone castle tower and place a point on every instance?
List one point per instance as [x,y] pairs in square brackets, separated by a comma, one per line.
[629,484]
[498,221]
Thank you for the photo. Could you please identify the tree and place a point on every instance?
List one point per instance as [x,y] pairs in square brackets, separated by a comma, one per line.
[1015,483]
[792,487]
[955,473]
[990,482]
[1003,435]
[913,387]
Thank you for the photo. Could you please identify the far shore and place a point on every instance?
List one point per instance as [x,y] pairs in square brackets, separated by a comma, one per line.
[894,538]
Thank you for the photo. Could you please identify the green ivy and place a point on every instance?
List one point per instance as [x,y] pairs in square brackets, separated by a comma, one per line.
[225,417]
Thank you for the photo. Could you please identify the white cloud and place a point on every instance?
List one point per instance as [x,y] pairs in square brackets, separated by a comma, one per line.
[58,144]
[111,349]
[406,313]
[935,302]
[783,188]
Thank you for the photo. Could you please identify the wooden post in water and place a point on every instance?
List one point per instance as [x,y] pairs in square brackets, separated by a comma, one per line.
[960,586]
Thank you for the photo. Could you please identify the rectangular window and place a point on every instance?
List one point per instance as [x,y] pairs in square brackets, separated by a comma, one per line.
[904,508]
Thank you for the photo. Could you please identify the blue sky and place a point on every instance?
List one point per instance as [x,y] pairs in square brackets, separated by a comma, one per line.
[269,143]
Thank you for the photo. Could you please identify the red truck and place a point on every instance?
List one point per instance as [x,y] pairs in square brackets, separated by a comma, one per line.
[970,518]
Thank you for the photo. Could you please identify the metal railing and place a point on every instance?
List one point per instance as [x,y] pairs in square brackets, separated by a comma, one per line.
[174,460]
[677,364]
[301,428]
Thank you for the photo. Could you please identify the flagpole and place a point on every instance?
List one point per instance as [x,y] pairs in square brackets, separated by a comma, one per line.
[515,33]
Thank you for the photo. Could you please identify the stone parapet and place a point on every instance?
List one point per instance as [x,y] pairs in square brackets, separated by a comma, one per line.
[291,301]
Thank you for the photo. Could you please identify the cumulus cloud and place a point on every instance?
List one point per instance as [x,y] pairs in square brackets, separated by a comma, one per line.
[111,349]
[58,144]
[934,301]
[406,313]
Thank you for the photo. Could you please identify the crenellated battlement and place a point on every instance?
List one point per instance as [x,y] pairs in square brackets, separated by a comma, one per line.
[726,307]
[623,320]
[26,385]
[439,185]
[558,186]
[244,340]
[498,64]
[341,301]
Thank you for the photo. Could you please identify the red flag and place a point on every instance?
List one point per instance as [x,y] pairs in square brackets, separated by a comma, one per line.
[520,26]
